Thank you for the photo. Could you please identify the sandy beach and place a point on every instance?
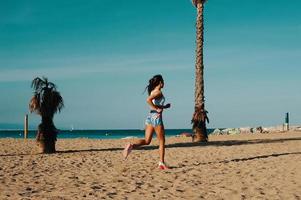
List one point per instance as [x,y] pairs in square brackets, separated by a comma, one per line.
[245,166]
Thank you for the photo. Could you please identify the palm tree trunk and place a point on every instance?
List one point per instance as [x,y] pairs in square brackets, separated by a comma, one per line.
[200,114]
[47,135]
[47,146]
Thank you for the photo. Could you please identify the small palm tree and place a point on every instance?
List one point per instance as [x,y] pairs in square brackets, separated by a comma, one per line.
[46,101]
[200,114]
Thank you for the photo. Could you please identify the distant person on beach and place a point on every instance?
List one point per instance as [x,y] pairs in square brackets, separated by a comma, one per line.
[154,120]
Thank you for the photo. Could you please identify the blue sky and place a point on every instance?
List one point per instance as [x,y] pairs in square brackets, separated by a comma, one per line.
[102,53]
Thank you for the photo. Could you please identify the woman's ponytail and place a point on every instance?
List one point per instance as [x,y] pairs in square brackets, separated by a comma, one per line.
[153,82]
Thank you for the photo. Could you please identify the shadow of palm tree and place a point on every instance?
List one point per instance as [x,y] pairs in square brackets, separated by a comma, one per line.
[236,142]
[248,158]
[180,145]
[224,143]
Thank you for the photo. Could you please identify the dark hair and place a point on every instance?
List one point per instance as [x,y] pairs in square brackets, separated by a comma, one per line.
[154,82]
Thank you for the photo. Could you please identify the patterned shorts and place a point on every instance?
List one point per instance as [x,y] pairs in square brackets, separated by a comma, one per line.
[154,118]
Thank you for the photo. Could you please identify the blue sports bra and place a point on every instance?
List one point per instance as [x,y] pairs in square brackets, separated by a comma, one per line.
[159,102]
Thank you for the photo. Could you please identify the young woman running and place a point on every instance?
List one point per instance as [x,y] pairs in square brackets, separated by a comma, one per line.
[154,120]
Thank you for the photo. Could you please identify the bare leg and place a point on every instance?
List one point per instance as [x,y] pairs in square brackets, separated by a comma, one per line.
[161,137]
[148,137]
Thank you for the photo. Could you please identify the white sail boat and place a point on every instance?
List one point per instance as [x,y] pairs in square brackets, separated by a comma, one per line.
[72,127]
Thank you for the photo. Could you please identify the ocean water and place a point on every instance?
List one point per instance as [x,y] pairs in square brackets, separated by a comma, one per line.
[94,134]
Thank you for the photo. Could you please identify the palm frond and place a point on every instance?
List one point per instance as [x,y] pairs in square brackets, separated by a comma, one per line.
[37,84]
[34,104]
[45,79]
[57,101]
[48,84]
[46,100]
[51,85]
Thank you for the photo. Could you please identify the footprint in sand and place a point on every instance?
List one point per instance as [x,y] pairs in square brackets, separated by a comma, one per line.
[96,187]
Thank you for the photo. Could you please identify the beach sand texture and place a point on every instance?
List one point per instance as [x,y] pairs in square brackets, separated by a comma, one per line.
[245,166]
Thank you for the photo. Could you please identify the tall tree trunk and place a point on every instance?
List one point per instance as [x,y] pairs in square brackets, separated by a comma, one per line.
[47,135]
[47,146]
[200,114]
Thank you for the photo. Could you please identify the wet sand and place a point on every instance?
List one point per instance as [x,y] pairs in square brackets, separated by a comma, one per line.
[245,166]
